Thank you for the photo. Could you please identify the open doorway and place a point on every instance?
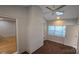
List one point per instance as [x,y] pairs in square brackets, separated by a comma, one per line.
[7,35]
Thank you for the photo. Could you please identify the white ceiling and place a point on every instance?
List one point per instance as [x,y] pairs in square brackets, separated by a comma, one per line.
[70,11]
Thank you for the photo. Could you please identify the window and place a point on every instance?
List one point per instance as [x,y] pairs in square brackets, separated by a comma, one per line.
[56,31]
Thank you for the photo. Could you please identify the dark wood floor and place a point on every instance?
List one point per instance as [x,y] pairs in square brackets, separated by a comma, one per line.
[51,47]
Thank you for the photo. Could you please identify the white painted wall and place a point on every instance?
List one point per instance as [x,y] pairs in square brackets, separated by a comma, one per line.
[45,29]
[78,38]
[71,36]
[7,28]
[21,16]
[56,39]
[35,29]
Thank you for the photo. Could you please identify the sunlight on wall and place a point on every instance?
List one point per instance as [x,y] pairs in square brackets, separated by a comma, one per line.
[58,22]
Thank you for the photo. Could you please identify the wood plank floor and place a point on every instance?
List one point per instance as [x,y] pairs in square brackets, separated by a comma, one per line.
[51,47]
[8,45]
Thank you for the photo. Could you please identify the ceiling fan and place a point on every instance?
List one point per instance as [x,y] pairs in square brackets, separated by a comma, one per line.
[55,9]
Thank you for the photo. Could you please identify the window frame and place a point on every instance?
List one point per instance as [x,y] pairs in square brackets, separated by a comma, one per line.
[54,31]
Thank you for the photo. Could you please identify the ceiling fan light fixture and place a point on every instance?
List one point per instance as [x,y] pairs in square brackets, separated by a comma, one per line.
[58,18]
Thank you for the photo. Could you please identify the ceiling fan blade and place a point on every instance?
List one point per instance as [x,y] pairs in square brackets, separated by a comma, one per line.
[56,8]
[49,8]
[60,7]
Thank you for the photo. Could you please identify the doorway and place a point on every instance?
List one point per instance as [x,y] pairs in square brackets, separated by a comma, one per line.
[7,35]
